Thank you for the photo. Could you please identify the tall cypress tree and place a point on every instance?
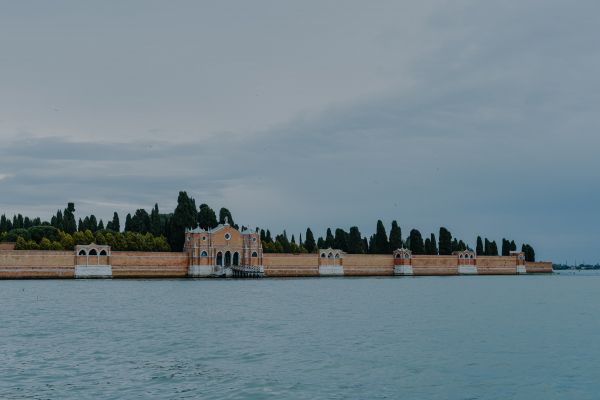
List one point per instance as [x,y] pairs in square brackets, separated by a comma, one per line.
[69,223]
[487,248]
[116,225]
[340,241]
[128,225]
[395,236]
[529,253]
[427,246]
[381,244]
[223,213]
[207,219]
[183,218]
[513,246]
[445,242]
[329,239]
[309,241]
[479,247]
[355,241]
[505,247]
[155,225]
[494,248]
[434,249]
[416,242]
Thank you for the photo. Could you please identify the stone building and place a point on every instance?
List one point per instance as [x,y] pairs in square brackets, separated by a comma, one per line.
[223,251]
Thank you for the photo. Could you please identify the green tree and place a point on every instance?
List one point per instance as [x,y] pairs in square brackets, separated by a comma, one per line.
[433,248]
[340,240]
[395,236]
[115,224]
[155,222]
[416,242]
[505,247]
[184,217]
[45,244]
[380,240]
[128,225]
[329,239]
[69,224]
[309,241]
[224,213]
[207,219]
[66,240]
[445,242]
[355,241]
[479,247]
[529,253]
[493,248]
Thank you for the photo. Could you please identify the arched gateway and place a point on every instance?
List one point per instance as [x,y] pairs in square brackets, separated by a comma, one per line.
[223,251]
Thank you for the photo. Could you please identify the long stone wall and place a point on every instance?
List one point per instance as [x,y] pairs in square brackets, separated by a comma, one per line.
[281,265]
[538,267]
[22,264]
[434,265]
[368,265]
[18,264]
[134,264]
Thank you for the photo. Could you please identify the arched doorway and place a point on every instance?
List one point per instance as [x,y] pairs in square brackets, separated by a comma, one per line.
[236,258]
[227,258]
[220,258]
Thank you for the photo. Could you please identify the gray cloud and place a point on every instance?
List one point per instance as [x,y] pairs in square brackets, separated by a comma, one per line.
[478,116]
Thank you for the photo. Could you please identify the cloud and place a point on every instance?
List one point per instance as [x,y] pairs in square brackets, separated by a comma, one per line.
[477,116]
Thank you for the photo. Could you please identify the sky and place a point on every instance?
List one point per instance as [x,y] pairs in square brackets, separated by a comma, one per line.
[480,116]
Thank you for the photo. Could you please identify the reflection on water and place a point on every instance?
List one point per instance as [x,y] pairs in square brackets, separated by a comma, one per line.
[520,337]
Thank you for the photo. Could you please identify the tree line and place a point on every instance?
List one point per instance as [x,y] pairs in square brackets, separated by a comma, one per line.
[155,231]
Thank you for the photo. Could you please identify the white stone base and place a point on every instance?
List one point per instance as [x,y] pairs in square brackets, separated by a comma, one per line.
[331,270]
[93,271]
[521,269]
[467,270]
[200,271]
[403,270]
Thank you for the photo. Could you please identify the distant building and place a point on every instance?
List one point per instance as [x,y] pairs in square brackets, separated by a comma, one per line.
[223,251]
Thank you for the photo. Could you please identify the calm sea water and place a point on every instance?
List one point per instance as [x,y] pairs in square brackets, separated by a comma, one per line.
[516,337]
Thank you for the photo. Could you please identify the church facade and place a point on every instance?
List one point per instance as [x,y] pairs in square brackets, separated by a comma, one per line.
[224,251]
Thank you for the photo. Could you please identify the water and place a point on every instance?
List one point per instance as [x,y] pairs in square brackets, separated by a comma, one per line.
[515,337]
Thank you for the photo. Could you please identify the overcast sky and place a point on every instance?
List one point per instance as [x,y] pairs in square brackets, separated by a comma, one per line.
[481,116]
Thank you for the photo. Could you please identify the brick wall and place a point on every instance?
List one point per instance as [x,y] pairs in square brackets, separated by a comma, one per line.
[138,264]
[538,267]
[291,264]
[19,264]
[434,265]
[368,265]
[496,265]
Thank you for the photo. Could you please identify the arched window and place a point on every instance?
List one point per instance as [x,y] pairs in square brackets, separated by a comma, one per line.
[236,258]
[254,254]
[337,255]
[461,256]
[330,255]
[93,252]
[220,258]
[398,255]
[227,258]
[102,252]
[81,252]
[204,254]
[323,255]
